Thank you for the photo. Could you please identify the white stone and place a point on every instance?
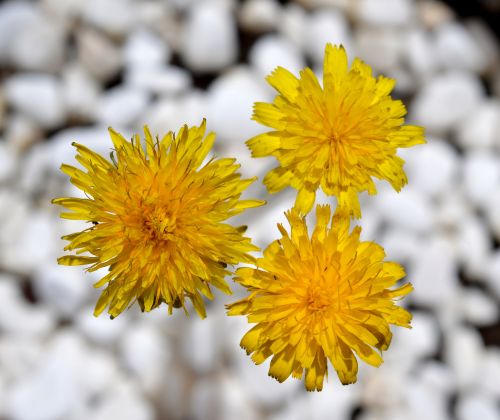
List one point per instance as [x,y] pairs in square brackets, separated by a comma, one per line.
[333,399]
[457,49]
[121,106]
[322,27]
[209,40]
[481,176]
[64,10]
[463,351]
[481,129]
[476,406]
[493,215]
[51,390]
[271,51]
[229,108]
[145,353]
[169,113]
[114,17]
[145,49]
[8,162]
[293,24]
[235,402]
[30,248]
[20,354]
[446,100]
[200,347]
[101,330]
[98,54]
[100,373]
[423,402]
[21,132]
[437,376]
[81,92]
[478,308]
[493,273]
[204,398]
[422,340]
[164,80]
[15,17]
[399,244]
[124,402]
[432,168]
[61,288]
[420,52]
[42,48]
[39,96]
[380,48]
[409,209]
[386,12]
[433,274]
[489,372]
[472,231]
[259,15]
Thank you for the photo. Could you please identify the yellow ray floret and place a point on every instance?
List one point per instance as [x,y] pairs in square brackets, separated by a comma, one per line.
[336,136]
[322,297]
[157,220]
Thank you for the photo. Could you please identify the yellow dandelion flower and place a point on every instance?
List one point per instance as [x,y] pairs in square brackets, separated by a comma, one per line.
[320,298]
[157,220]
[336,136]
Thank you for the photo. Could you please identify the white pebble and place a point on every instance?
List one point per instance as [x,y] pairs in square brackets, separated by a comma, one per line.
[457,49]
[493,273]
[229,108]
[200,347]
[478,308]
[8,162]
[98,54]
[170,113]
[472,230]
[481,129]
[399,244]
[41,48]
[437,376]
[51,391]
[162,80]
[145,353]
[481,176]
[433,274]
[422,340]
[463,352]
[489,372]
[386,12]
[271,51]
[293,24]
[121,106]
[420,52]
[409,209]
[39,96]
[380,48]
[62,289]
[114,17]
[81,92]
[475,406]
[323,26]
[101,330]
[235,403]
[21,132]
[123,402]
[145,49]
[423,402]
[446,100]
[209,38]
[259,15]
[433,168]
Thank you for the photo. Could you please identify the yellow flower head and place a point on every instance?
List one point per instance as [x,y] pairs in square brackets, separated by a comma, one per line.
[337,136]
[320,298]
[157,220]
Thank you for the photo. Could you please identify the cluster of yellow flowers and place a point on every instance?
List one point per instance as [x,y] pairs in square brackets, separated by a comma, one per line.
[158,211]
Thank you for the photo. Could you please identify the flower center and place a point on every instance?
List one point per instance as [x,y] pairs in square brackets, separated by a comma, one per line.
[318,298]
[158,225]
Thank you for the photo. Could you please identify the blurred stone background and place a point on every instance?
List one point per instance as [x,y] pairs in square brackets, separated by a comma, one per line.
[70,68]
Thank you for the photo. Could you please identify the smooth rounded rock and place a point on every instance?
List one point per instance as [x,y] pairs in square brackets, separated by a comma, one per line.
[476,406]
[446,100]
[481,176]
[145,49]
[259,15]
[375,12]
[481,129]
[122,106]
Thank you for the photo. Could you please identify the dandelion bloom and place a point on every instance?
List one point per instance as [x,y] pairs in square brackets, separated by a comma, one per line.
[157,220]
[320,298]
[336,136]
